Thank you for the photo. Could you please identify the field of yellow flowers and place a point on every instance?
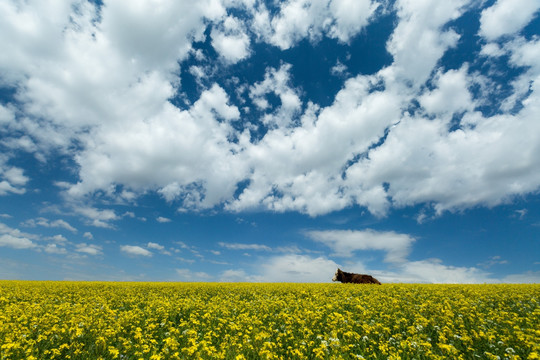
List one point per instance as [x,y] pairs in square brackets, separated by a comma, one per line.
[98,320]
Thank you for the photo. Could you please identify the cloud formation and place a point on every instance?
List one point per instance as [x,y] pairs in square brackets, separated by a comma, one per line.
[135,250]
[345,242]
[506,17]
[401,136]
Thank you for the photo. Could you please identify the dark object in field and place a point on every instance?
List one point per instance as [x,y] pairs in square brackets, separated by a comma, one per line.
[346,277]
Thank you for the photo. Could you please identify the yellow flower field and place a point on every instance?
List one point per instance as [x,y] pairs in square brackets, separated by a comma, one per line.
[97,320]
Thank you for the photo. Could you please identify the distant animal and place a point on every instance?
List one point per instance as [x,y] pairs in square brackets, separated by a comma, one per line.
[346,277]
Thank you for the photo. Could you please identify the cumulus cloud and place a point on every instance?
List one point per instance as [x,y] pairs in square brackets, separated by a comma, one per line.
[16,242]
[277,82]
[299,19]
[301,168]
[90,249]
[135,250]
[12,179]
[506,17]
[182,152]
[55,249]
[401,136]
[450,95]
[418,40]
[162,219]
[59,239]
[350,16]
[16,239]
[230,40]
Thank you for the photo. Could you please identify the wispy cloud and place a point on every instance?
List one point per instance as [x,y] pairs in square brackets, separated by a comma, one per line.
[239,246]
[492,261]
[59,223]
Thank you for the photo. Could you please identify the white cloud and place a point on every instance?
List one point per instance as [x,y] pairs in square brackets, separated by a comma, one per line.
[79,68]
[135,250]
[88,235]
[277,82]
[306,268]
[7,116]
[238,246]
[433,271]
[423,162]
[156,246]
[16,242]
[529,277]
[89,249]
[417,42]
[12,179]
[59,239]
[492,49]
[83,79]
[312,19]
[297,19]
[345,242]
[301,168]
[234,276]
[350,17]
[190,276]
[506,17]
[451,94]
[15,176]
[162,219]
[177,151]
[55,249]
[6,187]
[296,268]
[40,221]
[525,53]
[230,40]
[97,217]
[521,213]
[63,224]
[339,69]
[16,239]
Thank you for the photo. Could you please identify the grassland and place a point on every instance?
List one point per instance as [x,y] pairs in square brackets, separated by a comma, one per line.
[97,320]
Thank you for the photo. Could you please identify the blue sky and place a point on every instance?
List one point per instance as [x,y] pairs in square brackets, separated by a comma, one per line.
[248,140]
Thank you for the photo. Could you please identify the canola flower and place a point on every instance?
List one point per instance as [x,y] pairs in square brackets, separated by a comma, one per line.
[153,321]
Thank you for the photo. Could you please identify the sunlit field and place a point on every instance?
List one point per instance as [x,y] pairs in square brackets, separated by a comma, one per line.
[96,320]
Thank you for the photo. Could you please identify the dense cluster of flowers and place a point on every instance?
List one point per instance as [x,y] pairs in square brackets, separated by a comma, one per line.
[96,320]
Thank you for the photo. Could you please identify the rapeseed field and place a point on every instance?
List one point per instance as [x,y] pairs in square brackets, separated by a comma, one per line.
[98,320]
